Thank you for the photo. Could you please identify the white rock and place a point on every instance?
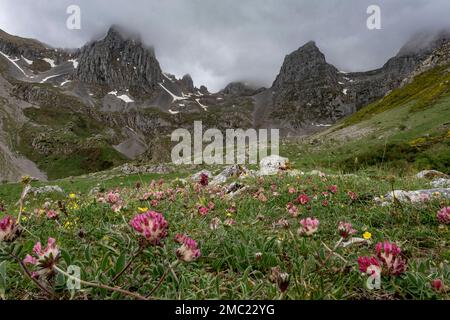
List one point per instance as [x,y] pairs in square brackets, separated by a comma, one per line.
[431,174]
[271,165]
[196,177]
[440,183]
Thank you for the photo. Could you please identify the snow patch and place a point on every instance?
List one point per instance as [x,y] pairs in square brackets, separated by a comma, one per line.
[125,98]
[201,105]
[51,62]
[14,63]
[122,97]
[167,76]
[173,112]
[29,62]
[345,91]
[74,62]
[65,82]
[174,97]
[51,77]
[322,125]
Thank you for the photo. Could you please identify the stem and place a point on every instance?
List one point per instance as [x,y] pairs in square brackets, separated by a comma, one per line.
[160,282]
[117,276]
[28,274]
[332,252]
[102,286]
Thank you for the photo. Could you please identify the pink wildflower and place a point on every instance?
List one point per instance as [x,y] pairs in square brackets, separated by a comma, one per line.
[345,229]
[303,199]
[8,229]
[204,179]
[333,189]
[365,262]
[189,251]
[292,209]
[437,285]
[390,256]
[52,214]
[443,215]
[45,259]
[203,210]
[352,195]
[151,225]
[309,226]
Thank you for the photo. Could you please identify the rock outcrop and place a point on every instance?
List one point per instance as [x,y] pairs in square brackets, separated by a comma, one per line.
[120,62]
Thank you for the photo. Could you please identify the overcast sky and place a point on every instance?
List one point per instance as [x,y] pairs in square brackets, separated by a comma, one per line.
[219,41]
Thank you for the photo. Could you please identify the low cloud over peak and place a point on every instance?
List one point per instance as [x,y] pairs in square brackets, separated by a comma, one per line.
[232,40]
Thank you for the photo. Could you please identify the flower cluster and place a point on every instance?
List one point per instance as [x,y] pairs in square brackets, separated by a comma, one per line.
[204,179]
[8,229]
[303,199]
[388,257]
[188,251]
[443,215]
[204,210]
[365,264]
[150,225]
[308,227]
[114,199]
[345,230]
[45,259]
[292,209]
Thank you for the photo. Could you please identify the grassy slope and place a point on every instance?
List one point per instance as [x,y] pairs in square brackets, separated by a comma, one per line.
[228,268]
[68,129]
[408,130]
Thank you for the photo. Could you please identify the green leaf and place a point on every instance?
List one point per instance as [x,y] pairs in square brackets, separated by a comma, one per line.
[120,263]
[66,256]
[3,278]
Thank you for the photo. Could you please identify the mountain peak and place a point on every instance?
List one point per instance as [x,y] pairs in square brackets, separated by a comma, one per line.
[121,34]
[119,61]
[300,64]
[424,42]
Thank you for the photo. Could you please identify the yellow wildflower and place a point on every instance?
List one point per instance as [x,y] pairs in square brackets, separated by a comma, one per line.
[72,196]
[367,235]
[145,209]
[67,225]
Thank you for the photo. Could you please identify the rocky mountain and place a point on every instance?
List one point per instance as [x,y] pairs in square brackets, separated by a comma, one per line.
[68,112]
[119,62]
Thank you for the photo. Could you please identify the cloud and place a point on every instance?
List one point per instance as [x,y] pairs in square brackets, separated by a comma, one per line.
[222,41]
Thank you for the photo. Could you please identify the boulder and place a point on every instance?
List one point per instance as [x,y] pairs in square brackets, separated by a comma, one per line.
[440,183]
[431,174]
[414,197]
[196,177]
[46,189]
[271,165]
[228,172]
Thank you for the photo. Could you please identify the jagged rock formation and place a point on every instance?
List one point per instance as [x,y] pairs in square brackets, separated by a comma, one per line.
[238,89]
[109,101]
[308,89]
[120,63]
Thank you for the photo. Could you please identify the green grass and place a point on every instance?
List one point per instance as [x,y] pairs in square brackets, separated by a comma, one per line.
[422,93]
[406,131]
[228,268]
